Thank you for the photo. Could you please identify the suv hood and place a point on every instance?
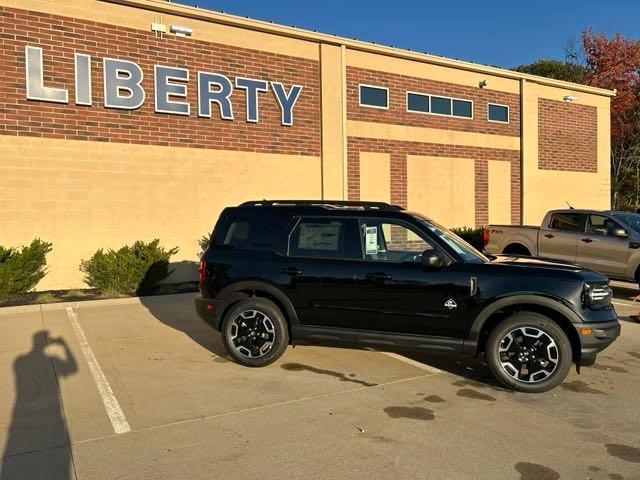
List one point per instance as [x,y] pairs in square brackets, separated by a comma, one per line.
[541,263]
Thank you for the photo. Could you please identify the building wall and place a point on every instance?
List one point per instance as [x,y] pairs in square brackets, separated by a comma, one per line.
[89,177]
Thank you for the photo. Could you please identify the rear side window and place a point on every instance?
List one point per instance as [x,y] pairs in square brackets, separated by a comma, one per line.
[250,232]
[324,238]
[569,222]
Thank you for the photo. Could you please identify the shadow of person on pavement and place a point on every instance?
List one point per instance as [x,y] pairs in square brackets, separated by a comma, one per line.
[37,423]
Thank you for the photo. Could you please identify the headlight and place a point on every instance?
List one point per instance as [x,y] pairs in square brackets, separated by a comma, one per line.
[597,295]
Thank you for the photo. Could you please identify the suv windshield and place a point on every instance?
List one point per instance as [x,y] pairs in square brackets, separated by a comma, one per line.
[631,219]
[465,251]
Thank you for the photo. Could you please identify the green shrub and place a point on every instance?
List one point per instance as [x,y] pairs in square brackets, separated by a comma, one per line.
[471,235]
[137,268]
[21,270]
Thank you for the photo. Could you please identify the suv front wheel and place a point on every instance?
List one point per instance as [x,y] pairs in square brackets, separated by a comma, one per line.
[529,352]
[255,332]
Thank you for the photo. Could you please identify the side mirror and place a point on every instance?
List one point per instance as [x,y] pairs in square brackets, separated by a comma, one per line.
[432,259]
[619,232]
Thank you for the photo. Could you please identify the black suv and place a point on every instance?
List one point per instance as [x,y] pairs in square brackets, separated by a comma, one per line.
[374,275]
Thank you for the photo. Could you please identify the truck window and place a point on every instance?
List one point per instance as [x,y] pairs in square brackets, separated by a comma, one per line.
[569,222]
[601,225]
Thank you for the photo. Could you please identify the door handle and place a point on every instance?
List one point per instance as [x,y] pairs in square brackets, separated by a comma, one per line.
[586,240]
[549,235]
[293,271]
[378,276]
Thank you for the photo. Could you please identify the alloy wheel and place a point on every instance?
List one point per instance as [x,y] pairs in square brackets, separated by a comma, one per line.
[528,354]
[252,334]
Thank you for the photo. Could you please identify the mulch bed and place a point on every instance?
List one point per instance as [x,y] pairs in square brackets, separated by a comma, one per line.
[79,295]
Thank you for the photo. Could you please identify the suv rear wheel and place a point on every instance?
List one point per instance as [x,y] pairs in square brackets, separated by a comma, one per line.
[529,352]
[255,332]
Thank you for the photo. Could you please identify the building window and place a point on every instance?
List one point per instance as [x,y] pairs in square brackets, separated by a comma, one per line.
[498,113]
[376,97]
[441,105]
[462,108]
[451,107]
[417,102]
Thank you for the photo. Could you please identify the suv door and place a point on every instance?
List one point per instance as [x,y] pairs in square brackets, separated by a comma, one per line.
[560,238]
[395,294]
[601,250]
[315,269]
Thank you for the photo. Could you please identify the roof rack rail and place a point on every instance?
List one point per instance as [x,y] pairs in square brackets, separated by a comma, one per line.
[323,203]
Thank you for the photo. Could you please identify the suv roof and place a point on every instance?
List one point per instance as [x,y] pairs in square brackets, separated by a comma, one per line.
[326,204]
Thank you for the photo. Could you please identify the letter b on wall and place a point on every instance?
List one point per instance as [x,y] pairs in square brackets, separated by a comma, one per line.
[122,84]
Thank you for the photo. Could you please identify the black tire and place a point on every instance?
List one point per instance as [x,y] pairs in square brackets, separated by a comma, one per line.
[238,340]
[548,356]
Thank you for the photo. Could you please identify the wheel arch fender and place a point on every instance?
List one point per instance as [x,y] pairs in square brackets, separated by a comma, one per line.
[473,342]
[232,294]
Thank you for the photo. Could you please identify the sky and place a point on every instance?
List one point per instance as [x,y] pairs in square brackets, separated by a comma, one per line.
[499,32]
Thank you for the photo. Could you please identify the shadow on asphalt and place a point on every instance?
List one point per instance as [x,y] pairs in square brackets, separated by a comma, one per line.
[37,420]
[178,312]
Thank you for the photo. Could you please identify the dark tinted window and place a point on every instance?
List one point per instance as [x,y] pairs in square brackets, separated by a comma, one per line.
[417,102]
[441,105]
[374,96]
[250,232]
[498,113]
[325,238]
[462,108]
[566,221]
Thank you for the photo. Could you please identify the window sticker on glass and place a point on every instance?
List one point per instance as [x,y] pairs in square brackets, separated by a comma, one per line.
[319,236]
[371,240]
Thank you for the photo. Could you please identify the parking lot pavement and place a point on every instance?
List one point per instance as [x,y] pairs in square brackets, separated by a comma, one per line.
[72,376]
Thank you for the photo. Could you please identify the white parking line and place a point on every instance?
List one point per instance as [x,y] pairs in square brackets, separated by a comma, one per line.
[414,363]
[115,413]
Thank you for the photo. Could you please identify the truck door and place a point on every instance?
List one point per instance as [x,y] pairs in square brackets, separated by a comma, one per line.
[559,239]
[601,248]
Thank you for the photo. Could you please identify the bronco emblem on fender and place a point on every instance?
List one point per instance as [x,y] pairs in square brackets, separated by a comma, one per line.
[450,304]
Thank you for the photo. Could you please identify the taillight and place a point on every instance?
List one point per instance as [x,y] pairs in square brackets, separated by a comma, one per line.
[486,235]
[202,270]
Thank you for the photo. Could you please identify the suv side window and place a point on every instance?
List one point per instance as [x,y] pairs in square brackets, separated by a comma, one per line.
[388,241]
[569,222]
[247,232]
[323,238]
[600,225]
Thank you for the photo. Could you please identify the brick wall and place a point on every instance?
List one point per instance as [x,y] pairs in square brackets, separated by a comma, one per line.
[399,150]
[397,113]
[567,136]
[60,37]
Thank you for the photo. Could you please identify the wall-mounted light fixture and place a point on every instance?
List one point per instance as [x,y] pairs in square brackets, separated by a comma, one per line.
[570,98]
[482,83]
[181,30]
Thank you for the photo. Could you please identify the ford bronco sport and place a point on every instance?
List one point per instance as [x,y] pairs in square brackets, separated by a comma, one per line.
[374,275]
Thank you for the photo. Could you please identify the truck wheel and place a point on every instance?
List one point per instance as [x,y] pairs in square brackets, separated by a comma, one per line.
[255,332]
[529,352]
[516,249]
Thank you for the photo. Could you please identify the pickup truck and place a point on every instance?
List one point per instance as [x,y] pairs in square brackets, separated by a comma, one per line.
[605,241]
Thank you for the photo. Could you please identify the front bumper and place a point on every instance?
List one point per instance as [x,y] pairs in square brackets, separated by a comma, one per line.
[600,336]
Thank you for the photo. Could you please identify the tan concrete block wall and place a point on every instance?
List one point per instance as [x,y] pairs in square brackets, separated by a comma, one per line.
[375,177]
[82,196]
[431,192]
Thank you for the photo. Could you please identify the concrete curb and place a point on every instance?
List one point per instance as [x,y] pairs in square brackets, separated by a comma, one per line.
[48,307]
